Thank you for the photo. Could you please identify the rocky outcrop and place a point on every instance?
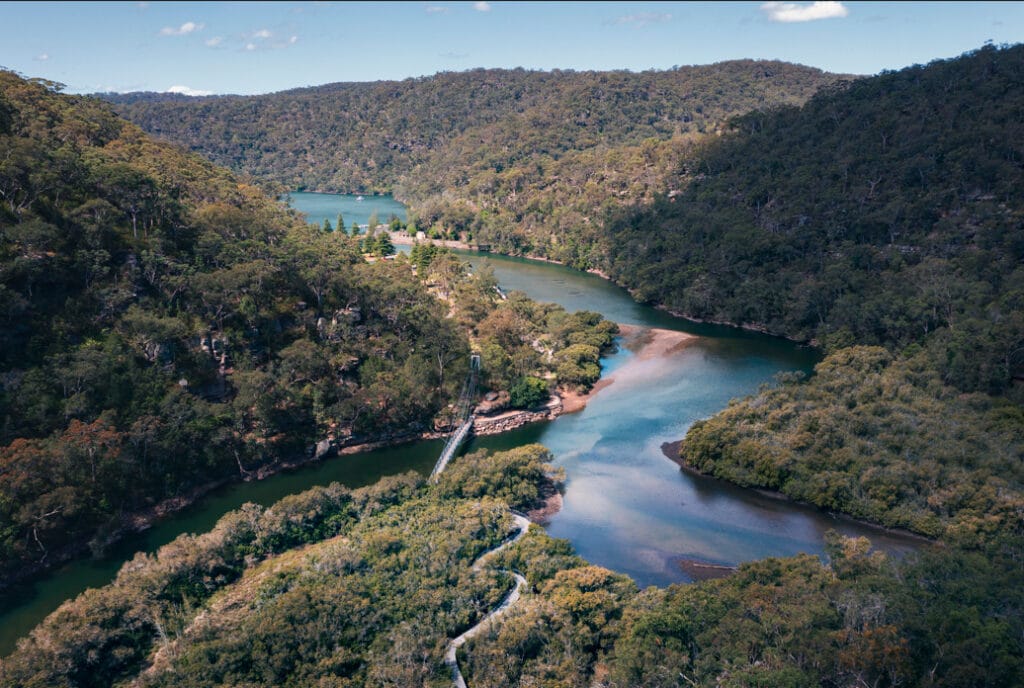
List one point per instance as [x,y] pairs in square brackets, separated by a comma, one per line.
[510,420]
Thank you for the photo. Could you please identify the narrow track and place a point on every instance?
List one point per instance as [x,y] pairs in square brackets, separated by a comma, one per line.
[450,659]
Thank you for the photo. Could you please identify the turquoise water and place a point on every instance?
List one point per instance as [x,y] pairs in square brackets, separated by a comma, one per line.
[319,207]
[626,507]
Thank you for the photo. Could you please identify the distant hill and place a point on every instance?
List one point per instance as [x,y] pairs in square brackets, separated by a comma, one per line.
[525,160]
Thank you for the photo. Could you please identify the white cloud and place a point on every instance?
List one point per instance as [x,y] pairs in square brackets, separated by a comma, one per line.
[264,40]
[435,9]
[186,91]
[790,12]
[482,6]
[184,29]
[214,42]
[42,57]
[644,18]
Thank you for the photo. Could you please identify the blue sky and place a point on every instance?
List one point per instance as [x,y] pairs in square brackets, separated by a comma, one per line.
[241,47]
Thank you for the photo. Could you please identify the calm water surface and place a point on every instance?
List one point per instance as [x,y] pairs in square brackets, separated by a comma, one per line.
[626,507]
[319,207]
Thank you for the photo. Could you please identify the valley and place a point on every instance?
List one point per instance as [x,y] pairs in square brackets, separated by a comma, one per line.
[780,310]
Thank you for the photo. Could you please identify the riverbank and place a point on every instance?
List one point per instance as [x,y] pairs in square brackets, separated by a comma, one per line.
[403,239]
[671,452]
[143,519]
[647,343]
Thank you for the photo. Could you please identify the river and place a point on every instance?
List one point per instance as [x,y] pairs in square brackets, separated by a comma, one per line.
[626,506]
[319,207]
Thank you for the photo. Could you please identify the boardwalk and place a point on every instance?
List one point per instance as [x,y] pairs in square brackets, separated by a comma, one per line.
[465,416]
[451,652]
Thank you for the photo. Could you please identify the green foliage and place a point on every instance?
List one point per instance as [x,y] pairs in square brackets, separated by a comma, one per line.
[517,477]
[329,583]
[528,392]
[880,438]
[770,624]
[166,326]
[522,339]
[578,365]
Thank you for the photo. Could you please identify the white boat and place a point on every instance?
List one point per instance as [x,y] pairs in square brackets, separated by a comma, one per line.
[359,198]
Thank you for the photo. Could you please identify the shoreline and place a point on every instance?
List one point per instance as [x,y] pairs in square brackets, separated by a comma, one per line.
[647,343]
[563,401]
[653,342]
[671,452]
[747,327]
[404,239]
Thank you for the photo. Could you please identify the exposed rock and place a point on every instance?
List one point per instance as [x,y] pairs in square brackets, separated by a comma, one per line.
[510,420]
[323,447]
[494,403]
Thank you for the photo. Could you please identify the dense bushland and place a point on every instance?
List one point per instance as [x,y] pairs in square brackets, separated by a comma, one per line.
[166,326]
[526,161]
[351,588]
[885,211]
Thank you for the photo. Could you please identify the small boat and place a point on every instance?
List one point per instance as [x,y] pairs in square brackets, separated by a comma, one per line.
[359,198]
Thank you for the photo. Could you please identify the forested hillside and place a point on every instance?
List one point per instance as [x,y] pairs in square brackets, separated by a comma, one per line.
[527,161]
[167,326]
[886,212]
[365,588]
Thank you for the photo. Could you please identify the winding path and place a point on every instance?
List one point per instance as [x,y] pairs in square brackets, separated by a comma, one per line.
[450,659]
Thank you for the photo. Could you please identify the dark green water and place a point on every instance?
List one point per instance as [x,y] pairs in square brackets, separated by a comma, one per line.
[627,507]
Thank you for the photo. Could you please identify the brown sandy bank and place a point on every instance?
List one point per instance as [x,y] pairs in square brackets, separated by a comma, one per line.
[647,343]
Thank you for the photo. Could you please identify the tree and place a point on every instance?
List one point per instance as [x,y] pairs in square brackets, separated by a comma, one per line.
[327,225]
[384,246]
[446,270]
[130,189]
[528,392]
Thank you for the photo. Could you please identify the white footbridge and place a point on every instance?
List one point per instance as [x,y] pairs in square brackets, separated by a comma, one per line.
[464,418]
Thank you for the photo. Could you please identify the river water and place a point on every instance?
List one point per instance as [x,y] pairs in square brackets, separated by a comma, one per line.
[319,207]
[626,507]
